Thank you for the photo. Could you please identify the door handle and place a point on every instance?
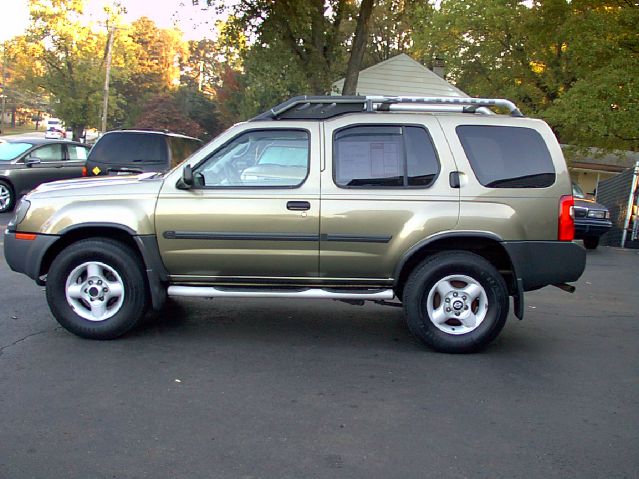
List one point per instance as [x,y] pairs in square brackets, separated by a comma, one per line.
[298,205]
[454,179]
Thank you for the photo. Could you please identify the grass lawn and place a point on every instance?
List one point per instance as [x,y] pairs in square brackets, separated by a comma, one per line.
[7,130]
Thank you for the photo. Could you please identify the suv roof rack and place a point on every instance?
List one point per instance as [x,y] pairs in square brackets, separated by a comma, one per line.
[323,107]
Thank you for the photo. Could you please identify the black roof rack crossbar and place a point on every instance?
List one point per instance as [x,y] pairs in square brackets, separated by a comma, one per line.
[323,107]
[314,107]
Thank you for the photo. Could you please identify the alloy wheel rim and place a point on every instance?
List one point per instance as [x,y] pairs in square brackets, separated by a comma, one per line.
[457,304]
[5,197]
[95,291]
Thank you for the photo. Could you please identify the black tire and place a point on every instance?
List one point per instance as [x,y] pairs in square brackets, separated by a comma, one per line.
[121,259]
[591,242]
[9,204]
[435,269]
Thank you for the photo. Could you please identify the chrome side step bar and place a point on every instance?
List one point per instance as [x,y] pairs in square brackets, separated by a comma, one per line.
[312,293]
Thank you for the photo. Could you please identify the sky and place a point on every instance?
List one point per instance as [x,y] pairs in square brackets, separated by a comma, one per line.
[165,13]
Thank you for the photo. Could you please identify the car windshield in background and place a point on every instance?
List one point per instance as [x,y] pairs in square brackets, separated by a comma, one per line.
[577,192]
[10,151]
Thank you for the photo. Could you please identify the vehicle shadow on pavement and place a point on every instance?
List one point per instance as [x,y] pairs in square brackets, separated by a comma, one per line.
[278,321]
[294,323]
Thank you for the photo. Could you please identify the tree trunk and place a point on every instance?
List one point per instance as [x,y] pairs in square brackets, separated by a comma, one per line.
[359,46]
[78,132]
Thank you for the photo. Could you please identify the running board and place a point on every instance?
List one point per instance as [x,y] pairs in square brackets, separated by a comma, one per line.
[211,292]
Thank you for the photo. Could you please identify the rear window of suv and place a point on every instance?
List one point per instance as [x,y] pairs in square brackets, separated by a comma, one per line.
[130,148]
[507,157]
[379,156]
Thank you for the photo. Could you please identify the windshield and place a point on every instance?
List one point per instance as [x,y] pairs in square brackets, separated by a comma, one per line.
[10,151]
[577,192]
[285,155]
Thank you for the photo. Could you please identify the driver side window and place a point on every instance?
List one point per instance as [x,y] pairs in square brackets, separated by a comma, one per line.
[48,153]
[264,158]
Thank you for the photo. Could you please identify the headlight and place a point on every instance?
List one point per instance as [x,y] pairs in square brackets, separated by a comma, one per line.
[21,212]
[599,214]
[607,215]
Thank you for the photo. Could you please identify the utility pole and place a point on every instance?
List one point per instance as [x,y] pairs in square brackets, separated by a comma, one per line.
[4,84]
[105,103]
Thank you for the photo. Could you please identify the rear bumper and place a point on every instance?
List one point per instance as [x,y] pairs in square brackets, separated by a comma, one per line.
[591,228]
[541,263]
[25,256]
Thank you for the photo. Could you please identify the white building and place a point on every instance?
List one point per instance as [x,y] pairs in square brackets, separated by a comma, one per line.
[403,76]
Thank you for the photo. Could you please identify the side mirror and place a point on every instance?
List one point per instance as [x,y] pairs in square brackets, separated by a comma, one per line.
[32,161]
[187,180]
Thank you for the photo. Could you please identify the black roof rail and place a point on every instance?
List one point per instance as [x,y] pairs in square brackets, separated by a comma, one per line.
[160,131]
[323,107]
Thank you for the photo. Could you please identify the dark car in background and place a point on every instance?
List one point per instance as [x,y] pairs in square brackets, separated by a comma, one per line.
[139,151]
[592,219]
[26,163]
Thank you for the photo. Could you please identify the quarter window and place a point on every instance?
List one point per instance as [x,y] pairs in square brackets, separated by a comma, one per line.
[507,157]
[384,157]
[181,148]
[77,152]
[48,153]
[266,158]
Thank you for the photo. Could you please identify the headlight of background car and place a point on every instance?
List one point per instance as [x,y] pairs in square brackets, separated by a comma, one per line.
[21,212]
[598,214]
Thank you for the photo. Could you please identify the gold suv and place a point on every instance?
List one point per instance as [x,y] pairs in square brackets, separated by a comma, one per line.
[437,204]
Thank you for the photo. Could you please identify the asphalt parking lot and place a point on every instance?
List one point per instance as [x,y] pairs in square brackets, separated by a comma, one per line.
[296,389]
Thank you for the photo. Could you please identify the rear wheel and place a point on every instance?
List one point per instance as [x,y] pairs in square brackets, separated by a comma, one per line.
[591,242]
[7,197]
[455,302]
[96,289]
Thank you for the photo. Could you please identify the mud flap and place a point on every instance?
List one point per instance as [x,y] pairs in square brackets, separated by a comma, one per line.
[518,299]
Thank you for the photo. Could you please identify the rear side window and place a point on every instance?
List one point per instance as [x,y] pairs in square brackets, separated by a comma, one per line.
[130,149]
[384,157]
[507,157]
[181,148]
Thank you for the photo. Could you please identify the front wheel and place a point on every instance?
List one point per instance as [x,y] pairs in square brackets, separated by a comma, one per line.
[455,302]
[96,289]
[7,197]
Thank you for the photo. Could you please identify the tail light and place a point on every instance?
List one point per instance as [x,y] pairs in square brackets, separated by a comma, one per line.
[84,171]
[566,231]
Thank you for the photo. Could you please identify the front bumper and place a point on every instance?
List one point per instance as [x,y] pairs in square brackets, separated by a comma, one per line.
[585,228]
[541,263]
[25,256]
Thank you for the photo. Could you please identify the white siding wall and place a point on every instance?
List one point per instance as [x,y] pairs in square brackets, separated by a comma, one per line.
[401,75]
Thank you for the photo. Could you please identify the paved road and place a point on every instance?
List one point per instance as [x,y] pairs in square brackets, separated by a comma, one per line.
[21,136]
[293,389]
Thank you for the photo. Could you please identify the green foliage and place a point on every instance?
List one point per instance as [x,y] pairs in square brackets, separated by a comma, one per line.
[201,67]
[391,29]
[573,63]
[601,107]
[163,112]
[152,59]
[600,110]
[200,108]
[310,35]
[271,76]
[69,58]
